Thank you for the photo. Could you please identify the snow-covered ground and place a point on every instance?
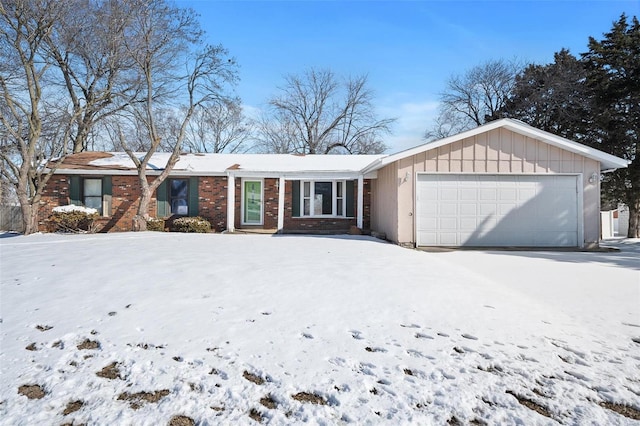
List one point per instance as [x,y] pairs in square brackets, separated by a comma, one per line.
[234,329]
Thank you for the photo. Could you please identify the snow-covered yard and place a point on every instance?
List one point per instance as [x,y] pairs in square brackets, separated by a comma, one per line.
[156,328]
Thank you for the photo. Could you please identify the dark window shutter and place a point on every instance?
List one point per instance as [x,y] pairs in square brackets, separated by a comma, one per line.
[74,191]
[161,200]
[193,196]
[295,199]
[106,196]
[349,194]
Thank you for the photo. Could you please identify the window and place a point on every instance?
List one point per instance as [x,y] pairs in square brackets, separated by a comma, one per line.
[322,198]
[179,196]
[92,193]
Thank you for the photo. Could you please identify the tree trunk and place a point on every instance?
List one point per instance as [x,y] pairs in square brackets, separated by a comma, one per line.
[141,218]
[634,219]
[29,216]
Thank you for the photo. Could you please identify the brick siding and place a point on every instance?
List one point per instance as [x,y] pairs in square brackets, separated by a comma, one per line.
[212,205]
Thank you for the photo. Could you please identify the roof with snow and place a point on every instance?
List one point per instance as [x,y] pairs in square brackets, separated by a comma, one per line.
[293,164]
[218,164]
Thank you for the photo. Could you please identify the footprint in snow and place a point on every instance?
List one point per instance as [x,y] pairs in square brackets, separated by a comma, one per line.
[443,334]
[307,336]
[423,336]
[410,325]
[415,354]
[356,334]
[469,336]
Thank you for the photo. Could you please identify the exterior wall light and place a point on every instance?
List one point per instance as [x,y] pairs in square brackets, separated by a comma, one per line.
[594,177]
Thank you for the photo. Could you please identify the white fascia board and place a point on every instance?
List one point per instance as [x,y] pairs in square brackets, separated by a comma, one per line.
[110,172]
[301,175]
[314,175]
[98,172]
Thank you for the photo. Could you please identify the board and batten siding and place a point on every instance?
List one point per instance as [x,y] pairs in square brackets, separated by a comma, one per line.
[384,202]
[498,151]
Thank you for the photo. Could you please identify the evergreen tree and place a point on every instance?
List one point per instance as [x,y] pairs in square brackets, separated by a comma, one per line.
[551,97]
[612,68]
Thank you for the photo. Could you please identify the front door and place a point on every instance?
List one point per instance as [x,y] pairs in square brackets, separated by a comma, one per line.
[252,202]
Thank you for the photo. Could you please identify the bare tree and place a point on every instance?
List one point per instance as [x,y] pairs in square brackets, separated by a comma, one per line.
[86,46]
[447,123]
[219,127]
[28,135]
[163,43]
[475,97]
[323,115]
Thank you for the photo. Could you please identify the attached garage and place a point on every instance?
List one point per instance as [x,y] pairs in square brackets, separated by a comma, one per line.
[497,210]
[499,185]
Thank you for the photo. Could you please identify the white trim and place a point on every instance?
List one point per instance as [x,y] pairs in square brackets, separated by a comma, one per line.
[231,202]
[242,212]
[281,195]
[299,175]
[579,198]
[359,214]
[607,161]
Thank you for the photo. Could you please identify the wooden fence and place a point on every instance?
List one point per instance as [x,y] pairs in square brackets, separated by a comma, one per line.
[11,219]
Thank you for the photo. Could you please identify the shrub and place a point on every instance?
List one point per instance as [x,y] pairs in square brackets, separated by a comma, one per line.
[155,225]
[191,224]
[73,219]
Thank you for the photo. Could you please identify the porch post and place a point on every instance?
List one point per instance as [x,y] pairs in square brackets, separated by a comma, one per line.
[231,202]
[281,196]
[360,201]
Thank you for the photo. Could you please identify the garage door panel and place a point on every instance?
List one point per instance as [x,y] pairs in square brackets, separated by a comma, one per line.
[497,210]
[486,194]
[468,209]
[448,224]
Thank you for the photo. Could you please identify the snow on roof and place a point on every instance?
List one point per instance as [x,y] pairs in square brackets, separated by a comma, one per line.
[202,164]
[607,161]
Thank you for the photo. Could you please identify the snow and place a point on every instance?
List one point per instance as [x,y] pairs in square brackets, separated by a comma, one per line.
[72,208]
[385,335]
[259,163]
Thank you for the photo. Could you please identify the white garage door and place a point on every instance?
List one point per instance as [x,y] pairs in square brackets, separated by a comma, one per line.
[497,210]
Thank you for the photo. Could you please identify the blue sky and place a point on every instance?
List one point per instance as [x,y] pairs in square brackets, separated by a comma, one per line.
[407,48]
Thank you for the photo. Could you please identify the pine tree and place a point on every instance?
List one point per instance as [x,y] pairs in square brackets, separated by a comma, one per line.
[613,78]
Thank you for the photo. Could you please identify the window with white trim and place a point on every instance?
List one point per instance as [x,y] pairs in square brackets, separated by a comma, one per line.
[321,198]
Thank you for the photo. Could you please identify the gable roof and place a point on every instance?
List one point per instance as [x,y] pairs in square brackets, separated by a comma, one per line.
[607,161]
[218,164]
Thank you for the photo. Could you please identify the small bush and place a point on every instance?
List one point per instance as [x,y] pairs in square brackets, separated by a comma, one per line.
[155,225]
[73,219]
[192,224]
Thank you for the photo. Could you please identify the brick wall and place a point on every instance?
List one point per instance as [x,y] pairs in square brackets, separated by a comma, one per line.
[55,194]
[212,203]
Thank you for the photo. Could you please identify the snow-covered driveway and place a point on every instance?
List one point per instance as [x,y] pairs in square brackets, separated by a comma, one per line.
[156,328]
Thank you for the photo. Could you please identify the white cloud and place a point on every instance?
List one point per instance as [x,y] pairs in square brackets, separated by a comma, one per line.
[413,118]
